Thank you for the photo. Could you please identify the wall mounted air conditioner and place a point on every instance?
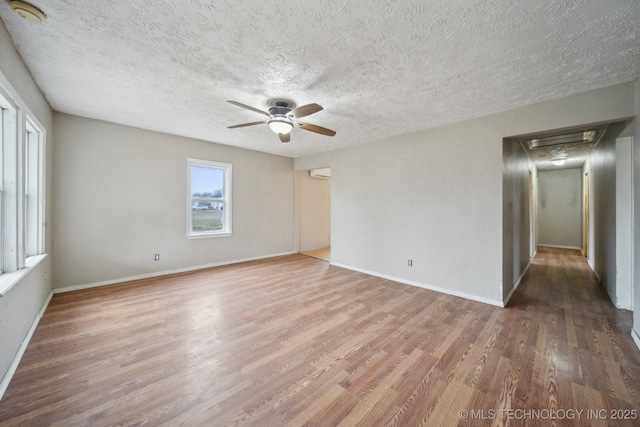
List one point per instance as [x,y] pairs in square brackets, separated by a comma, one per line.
[321,173]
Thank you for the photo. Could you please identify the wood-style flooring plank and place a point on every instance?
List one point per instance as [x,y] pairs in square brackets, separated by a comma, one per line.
[295,341]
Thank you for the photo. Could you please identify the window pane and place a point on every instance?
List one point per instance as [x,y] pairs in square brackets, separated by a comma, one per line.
[206,219]
[33,227]
[207,199]
[22,145]
[2,143]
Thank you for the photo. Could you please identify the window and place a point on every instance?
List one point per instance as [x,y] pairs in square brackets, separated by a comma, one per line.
[5,112]
[33,190]
[21,185]
[8,166]
[209,200]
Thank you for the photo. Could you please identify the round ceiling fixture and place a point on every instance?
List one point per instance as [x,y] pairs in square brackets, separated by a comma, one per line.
[280,125]
[27,11]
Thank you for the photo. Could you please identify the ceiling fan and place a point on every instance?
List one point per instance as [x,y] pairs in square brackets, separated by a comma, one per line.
[282,117]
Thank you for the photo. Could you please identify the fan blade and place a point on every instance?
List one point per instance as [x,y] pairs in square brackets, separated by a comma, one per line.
[245,124]
[285,137]
[305,110]
[316,129]
[248,108]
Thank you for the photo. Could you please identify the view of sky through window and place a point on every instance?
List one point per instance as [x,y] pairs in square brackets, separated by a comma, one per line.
[206,180]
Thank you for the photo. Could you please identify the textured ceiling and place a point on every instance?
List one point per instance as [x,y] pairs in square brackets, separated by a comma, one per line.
[378,67]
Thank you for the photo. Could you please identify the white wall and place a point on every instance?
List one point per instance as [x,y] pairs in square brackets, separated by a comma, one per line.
[560,208]
[624,219]
[121,197]
[516,245]
[636,207]
[20,307]
[602,198]
[535,226]
[314,211]
[436,196]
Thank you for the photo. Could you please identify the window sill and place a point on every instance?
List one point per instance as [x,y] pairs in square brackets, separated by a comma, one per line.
[207,235]
[9,280]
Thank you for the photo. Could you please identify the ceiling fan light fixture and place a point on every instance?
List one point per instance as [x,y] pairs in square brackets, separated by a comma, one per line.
[280,126]
[282,119]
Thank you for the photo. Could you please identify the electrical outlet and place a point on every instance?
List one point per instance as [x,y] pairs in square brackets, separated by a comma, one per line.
[157,257]
[410,263]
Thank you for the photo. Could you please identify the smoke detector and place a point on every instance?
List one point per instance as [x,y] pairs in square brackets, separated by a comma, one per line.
[27,11]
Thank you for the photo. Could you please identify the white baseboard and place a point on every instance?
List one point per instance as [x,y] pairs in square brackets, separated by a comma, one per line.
[16,360]
[515,286]
[561,246]
[161,273]
[594,271]
[422,285]
[636,338]
[314,249]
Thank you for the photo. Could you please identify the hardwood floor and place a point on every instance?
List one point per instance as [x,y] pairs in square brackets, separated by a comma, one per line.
[295,341]
[322,253]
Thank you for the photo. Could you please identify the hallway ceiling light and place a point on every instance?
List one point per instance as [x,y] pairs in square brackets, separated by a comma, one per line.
[569,138]
[558,162]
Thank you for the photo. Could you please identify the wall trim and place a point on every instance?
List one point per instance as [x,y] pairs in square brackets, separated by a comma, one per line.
[162,273]
[423,285]
[595,272]
[8,376]
[636,338]
[515,286]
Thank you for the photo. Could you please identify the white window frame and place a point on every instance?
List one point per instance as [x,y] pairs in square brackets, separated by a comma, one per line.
[225,200]
[7,110]
[11,204]
[34,188]
[22,172]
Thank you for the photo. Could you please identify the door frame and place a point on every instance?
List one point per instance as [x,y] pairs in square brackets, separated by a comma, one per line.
[585,213]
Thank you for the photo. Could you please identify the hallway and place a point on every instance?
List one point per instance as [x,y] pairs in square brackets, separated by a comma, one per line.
[583,353]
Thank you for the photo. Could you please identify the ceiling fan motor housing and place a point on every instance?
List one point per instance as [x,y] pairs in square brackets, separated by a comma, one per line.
[280,109]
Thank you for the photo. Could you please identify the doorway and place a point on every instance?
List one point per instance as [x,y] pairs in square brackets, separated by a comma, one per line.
[313,195]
